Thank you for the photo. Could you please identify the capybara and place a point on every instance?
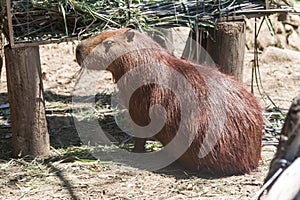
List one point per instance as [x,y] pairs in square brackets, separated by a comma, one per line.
[224,125]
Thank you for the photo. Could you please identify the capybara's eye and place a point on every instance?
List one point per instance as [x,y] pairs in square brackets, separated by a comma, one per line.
[132,26]
[107,44]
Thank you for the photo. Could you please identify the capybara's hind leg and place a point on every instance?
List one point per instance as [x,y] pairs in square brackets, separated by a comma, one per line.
[139,145]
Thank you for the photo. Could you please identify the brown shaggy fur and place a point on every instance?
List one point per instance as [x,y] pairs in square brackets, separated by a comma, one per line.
[239,141]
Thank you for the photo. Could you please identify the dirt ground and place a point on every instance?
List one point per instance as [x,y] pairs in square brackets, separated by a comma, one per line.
[71,173]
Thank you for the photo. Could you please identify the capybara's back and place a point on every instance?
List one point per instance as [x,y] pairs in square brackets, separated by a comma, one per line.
[217,117]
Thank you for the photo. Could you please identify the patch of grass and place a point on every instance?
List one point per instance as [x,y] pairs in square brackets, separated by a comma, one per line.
[128,147]
[153,146]
[150,146]
[274,121]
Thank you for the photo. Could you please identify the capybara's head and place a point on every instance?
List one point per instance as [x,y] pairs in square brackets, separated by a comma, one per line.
[100,51]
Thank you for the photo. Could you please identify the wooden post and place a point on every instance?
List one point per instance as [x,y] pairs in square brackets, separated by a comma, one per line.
[25,91]
[226,46]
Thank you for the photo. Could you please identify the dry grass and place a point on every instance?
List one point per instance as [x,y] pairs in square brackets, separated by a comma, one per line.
[42,20]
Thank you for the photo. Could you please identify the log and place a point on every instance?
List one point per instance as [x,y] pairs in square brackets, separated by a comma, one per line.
[226,46]
[27,107]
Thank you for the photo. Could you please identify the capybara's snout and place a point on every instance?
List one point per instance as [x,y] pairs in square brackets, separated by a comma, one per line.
[79,55]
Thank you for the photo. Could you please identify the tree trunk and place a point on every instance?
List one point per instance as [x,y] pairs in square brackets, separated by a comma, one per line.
[226,46]
[25,92]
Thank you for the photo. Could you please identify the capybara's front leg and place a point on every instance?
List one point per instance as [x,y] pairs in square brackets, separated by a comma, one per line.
[139,145]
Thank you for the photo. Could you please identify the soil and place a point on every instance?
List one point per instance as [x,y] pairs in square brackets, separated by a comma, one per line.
[72,173]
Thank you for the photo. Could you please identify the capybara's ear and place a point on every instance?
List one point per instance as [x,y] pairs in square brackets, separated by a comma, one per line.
[132,26]
[129,35]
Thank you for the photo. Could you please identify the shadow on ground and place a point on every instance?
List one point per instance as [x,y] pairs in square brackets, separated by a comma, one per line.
[64,137]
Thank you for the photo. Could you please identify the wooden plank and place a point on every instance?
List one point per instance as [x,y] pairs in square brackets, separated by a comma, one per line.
[263,12]
[42,42]
[231,18]
[25,92]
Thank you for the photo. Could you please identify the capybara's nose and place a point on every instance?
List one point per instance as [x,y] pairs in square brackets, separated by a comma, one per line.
[79,56]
